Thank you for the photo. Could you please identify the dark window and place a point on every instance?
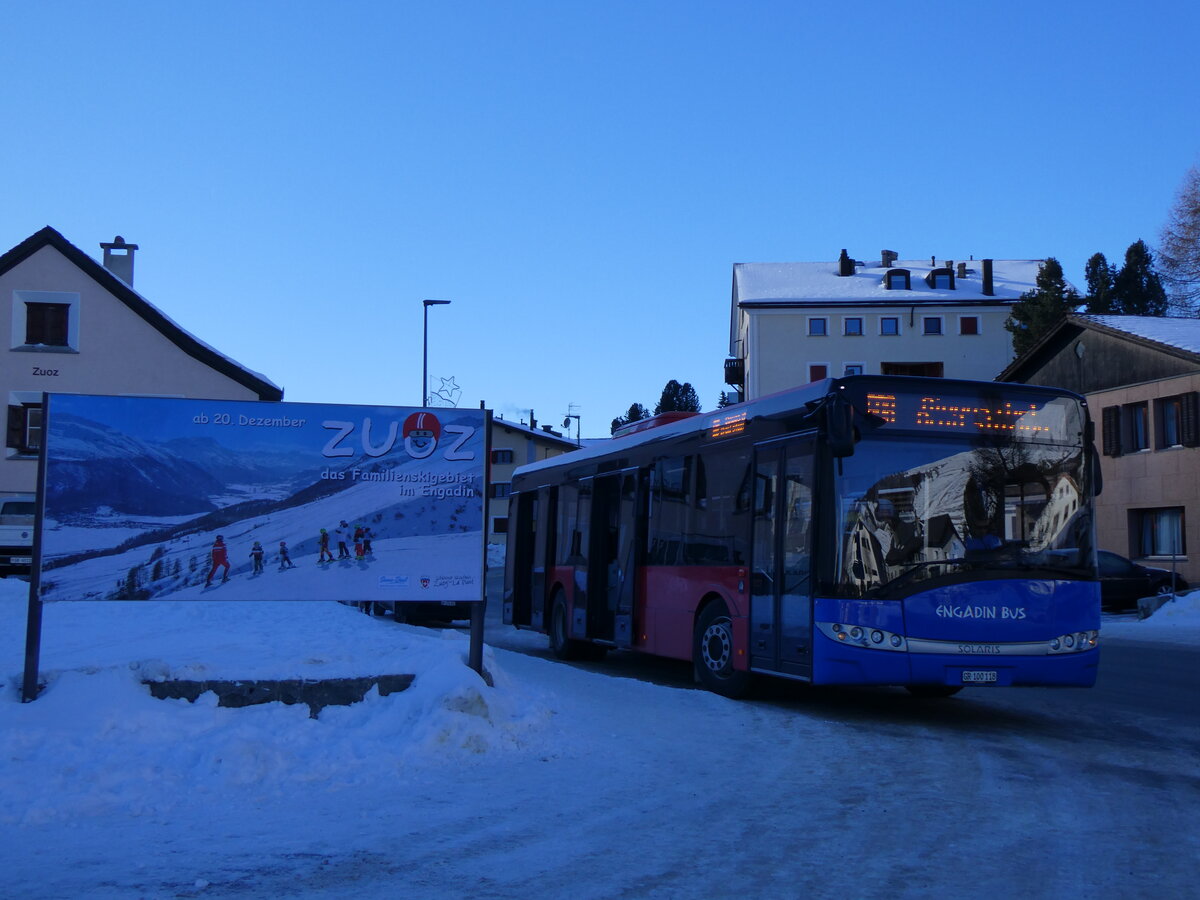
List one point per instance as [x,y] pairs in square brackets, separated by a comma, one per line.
[900,280]
[46,323]
[932,324]
[1168,414]
[1159,532]
[968,325]
[25,428]
[500,525]
[1137,432]
[818,371]
[889,325]
[501,489]
[817,327]
[500,457]
[853,325]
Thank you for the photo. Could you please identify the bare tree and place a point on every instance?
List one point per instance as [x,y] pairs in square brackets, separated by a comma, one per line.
[1179,255]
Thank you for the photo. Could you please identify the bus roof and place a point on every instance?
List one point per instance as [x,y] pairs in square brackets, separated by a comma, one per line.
[780,403]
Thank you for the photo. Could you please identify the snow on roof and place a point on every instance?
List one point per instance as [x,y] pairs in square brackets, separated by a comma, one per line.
[1181,333]
[816,282]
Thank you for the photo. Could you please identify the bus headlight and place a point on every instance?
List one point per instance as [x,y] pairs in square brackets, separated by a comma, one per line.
[1075,643]
[870,639]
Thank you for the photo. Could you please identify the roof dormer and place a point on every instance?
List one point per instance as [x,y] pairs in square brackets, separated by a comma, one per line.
[941,279]
[898,280]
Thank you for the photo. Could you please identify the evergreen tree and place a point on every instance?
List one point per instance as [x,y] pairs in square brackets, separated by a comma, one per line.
[1038,310]
[1179,252]
[1099,275]
[1137,289]
[636,412]
[724,401]
[678,397]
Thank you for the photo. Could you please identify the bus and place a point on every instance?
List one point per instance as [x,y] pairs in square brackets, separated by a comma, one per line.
[867,530]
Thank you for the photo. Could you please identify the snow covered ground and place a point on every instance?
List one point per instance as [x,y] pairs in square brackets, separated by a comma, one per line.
[446,788]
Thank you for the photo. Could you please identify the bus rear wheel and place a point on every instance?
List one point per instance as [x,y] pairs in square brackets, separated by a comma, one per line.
[712,653]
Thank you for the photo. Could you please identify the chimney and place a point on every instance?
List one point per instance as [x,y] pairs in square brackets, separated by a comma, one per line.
[887,257]
[988,291]
[962,270]
[532,421]
[845,264]
[118,258]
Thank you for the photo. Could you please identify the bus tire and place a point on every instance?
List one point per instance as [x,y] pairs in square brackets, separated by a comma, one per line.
[932,691]
[712,653]
[561,646]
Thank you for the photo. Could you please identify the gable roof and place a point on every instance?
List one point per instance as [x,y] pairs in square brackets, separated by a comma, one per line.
[540,433]
[1175,337]
[152,315]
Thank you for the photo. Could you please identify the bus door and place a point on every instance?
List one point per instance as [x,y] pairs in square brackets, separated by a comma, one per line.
[611,575]
[530,553]
[781,557]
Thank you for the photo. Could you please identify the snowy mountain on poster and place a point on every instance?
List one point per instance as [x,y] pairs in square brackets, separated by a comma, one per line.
[135,502]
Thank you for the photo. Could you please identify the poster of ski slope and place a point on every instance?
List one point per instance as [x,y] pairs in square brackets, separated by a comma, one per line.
[152,498]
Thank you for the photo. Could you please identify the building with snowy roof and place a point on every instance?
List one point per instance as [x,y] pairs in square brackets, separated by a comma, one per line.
[516,444]
[1141,377]
[792,323]
[76,325]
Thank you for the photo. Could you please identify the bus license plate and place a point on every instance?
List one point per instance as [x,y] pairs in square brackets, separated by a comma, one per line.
[449,603]
[978,676]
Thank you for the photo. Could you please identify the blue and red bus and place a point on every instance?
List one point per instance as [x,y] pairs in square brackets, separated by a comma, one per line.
[867,530]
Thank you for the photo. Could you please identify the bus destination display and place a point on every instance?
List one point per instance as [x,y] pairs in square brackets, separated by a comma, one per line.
[922,412]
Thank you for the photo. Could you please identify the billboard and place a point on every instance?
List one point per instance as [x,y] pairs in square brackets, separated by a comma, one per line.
[152,498]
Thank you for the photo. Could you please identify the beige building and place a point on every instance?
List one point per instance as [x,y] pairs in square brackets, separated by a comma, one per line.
[76,325]
[516,444]
[1141,378]
[793,323]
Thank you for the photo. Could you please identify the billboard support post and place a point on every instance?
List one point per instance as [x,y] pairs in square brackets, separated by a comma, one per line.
[33,618]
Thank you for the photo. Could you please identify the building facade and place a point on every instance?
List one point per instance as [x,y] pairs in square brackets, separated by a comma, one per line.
[793,323]
[76,325]
[1141,378]
[516,444]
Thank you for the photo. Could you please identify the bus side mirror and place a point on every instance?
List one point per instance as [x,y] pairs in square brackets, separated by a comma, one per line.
[839,426]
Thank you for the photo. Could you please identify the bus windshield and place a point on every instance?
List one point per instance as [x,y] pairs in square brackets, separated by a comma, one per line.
[917,512]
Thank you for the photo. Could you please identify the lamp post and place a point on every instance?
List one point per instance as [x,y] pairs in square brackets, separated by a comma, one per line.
[425,349]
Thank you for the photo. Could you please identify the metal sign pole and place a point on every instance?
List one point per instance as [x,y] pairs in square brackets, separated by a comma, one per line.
[33,618]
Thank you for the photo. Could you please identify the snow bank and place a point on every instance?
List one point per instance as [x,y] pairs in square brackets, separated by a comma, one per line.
[1176,622]
[96,743]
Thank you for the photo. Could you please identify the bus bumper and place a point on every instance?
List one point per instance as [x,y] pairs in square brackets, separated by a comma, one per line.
[841,664]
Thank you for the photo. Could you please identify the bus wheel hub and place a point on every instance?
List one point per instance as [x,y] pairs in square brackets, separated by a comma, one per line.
[717,646]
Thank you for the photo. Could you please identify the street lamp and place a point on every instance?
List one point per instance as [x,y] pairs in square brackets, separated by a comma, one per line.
[425,349]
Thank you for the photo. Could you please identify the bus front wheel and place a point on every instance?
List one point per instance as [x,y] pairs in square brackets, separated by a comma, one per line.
[712,653]
[562,646]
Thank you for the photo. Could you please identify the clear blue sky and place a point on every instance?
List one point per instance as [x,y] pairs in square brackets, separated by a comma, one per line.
[577,178]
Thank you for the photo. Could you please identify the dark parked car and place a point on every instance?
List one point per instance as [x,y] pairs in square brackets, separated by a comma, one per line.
[1123,582]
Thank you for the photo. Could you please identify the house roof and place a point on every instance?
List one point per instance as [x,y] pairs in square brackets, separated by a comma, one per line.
[818,283]
[1179,337]
[185,341]
[1178,333]
[549,437]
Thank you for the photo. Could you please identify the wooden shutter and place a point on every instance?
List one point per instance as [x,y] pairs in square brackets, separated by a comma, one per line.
[1189,419]
[1111,427]
[16,427]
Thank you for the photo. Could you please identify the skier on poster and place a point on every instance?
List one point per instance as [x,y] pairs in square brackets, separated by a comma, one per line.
[285,558]
[220,557]
[359,553]
[323,544]
[343,534]
[256,554]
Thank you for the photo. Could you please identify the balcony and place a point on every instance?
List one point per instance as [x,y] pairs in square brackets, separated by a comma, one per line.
[735,372]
